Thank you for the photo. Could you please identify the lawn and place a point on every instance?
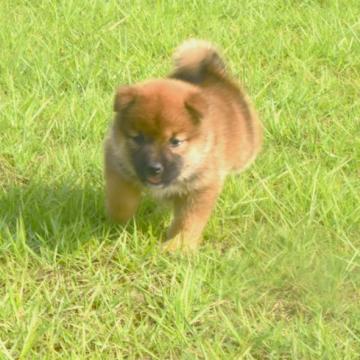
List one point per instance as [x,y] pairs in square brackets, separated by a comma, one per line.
[278,275]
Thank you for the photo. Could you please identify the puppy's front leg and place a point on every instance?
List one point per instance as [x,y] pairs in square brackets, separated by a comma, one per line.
[191,213]
[122,197]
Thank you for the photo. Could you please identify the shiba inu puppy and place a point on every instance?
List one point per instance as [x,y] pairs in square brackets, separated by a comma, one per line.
[179,137]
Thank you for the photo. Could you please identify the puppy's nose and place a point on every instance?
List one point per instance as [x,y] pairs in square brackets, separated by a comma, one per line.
[155,168]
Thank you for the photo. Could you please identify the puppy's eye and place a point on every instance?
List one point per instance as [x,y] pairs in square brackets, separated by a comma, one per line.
[174,142]
[138,139]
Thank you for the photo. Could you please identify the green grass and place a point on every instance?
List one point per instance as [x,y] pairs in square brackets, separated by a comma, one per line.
[278,275]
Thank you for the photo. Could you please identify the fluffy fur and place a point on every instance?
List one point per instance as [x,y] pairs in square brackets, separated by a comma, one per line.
[179,137]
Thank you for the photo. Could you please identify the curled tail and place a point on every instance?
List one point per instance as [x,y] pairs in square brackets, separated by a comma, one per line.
[196,61]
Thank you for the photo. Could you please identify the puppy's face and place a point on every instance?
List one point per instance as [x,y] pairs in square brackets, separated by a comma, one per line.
[160,125]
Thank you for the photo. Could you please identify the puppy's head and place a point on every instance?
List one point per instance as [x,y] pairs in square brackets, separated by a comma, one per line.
[159,124]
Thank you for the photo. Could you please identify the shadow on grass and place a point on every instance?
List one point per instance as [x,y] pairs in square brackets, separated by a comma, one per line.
[66,215]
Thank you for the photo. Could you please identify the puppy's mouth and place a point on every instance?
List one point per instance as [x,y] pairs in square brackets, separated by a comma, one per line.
[154,181]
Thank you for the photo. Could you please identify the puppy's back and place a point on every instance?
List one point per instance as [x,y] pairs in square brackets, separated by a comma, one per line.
[199,62]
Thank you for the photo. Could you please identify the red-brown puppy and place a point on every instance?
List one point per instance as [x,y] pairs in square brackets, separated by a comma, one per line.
[179,137]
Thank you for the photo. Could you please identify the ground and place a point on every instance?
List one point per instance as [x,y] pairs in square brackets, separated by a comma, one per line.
[278,274]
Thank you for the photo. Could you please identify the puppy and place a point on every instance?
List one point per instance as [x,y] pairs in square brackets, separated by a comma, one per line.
[178,138]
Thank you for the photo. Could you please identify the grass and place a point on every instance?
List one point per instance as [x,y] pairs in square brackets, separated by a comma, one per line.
[278,275]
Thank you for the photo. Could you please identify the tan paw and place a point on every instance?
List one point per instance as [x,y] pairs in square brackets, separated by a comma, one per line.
[178,244]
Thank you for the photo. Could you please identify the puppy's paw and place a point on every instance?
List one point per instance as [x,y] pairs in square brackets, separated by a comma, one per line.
[119,217]
[177,244]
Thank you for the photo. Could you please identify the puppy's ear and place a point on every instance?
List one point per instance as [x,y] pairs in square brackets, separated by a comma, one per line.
[124,98]
[197,106]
